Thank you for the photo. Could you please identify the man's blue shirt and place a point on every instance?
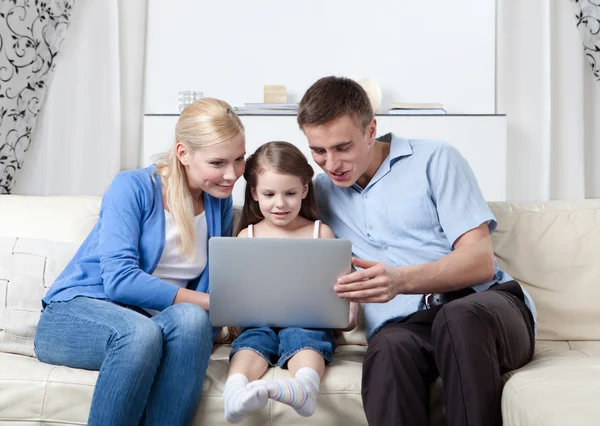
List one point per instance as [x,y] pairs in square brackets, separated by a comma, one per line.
[422,198]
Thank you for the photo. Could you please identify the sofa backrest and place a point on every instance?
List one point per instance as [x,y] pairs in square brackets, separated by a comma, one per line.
[553,249]
[68,219]
[38,237]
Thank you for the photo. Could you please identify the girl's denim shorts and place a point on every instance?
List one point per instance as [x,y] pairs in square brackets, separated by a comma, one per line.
[278,345]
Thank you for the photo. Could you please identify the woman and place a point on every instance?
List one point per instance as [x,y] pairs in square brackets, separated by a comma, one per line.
[133,301]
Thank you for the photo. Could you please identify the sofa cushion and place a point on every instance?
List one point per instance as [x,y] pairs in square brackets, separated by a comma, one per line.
[33,391]
[27,269]
[560,386]
[38,236]
[340,388]
[552,248]
[54,218]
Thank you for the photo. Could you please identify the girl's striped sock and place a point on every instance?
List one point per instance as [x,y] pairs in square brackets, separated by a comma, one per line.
[300,392]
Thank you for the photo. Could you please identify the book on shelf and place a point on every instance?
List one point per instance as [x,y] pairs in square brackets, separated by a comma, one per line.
[412,108]
[269,105]
[414,105]
[424,111]
[267,108]
[249,111]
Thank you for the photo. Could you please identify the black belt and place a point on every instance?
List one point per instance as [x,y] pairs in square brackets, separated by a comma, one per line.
[438,299]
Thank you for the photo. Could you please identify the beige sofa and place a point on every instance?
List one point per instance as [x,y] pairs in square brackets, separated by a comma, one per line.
[553,248]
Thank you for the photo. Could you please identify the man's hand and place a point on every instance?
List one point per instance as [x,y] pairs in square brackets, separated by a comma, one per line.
[470,263]
[376,283]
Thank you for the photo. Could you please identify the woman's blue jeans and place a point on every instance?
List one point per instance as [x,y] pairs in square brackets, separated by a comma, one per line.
[150,367]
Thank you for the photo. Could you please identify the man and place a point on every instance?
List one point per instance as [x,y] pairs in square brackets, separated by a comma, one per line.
[435,301]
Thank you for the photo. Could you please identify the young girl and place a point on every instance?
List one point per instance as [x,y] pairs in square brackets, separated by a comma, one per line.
[148,253]
[279,203]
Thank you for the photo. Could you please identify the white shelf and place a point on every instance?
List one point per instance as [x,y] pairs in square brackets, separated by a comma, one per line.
[481,139]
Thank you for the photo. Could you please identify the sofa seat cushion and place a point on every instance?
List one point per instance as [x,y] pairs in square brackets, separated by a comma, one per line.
[31,391]
[560,386]
[340,388]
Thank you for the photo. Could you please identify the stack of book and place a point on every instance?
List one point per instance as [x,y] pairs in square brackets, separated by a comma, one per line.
[416,109]
[267,108]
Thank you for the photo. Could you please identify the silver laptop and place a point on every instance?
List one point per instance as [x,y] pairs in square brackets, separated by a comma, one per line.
[277,282]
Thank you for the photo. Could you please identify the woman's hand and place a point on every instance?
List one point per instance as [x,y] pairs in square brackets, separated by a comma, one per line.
[185,295]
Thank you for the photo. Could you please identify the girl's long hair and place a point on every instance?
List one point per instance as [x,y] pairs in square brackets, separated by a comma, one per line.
[204,123]
[284,158]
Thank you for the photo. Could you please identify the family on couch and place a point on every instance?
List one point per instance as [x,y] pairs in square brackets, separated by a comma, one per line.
[133,301]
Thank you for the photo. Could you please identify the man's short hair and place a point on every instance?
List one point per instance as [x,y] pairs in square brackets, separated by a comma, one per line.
[334,97]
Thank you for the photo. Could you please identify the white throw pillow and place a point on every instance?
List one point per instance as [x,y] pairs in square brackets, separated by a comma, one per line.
[28,267]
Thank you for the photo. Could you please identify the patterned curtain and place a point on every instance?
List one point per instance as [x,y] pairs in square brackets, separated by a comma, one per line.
[587,13]
[31,33]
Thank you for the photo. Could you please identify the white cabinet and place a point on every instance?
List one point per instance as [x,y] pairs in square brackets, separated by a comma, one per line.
[480,138]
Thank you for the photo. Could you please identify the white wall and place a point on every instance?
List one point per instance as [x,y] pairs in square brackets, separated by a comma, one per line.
[419,51]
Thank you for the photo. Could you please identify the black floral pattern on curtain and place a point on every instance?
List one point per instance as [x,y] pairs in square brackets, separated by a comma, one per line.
[31,33]
[588,22]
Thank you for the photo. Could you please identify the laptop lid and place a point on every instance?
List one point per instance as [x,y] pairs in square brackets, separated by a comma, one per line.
[277,282]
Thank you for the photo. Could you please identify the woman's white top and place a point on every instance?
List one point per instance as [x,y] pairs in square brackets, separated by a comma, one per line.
[172,266]
[315,231]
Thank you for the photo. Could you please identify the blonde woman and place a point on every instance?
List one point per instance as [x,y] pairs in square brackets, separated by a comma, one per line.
[133,301]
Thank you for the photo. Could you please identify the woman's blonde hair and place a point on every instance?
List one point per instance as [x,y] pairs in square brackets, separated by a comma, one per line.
[204,123]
